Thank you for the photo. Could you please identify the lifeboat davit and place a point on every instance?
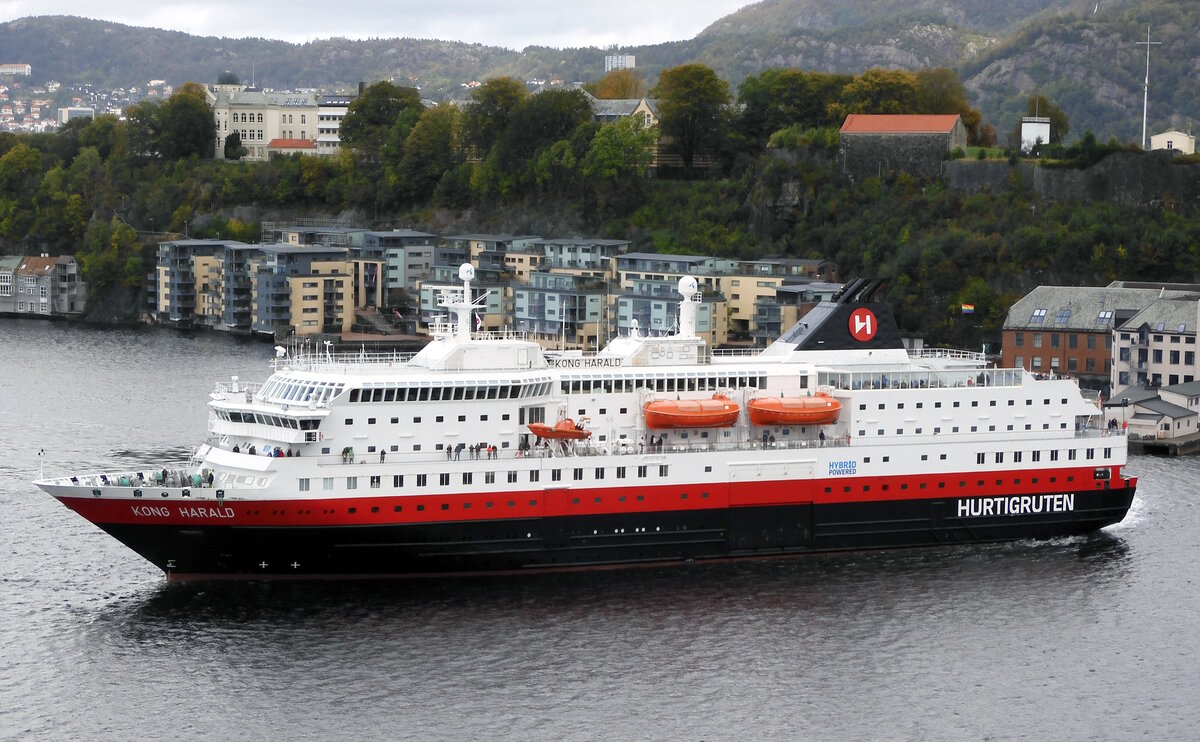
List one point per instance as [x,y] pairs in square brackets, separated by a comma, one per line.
[819,409]
[665,414]
[564,430]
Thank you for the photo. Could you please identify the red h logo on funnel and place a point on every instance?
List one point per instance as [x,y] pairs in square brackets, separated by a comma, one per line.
[863,324]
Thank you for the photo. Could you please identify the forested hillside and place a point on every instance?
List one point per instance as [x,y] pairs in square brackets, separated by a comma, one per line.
[108,190]
[1082,54]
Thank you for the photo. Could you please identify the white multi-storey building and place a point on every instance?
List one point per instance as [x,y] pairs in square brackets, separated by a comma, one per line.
[619,62]
[258,117]
[331,109]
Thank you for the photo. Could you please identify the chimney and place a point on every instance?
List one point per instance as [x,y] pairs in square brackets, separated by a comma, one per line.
[361,87]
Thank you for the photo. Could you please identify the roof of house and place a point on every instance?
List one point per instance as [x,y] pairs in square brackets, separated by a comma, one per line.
[1186,389]
[1131,395]
[36,266]
[864,123]
[292,144]
[1160,407]
[1080,308]
[1169,314]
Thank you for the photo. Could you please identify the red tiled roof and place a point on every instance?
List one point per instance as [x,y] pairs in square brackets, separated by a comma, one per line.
[34,265]
[862,123]
[292,144]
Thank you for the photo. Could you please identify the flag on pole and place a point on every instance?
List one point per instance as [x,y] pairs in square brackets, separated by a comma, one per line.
[968,309]
[478,321]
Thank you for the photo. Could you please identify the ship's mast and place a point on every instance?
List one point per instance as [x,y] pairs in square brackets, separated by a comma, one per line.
[687,307]
[462,306]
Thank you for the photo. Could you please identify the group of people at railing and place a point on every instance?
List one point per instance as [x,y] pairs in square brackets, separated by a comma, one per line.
[155,478]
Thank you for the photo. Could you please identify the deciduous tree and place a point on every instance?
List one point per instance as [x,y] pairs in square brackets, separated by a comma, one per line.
[879,91]
[778,98]
[372,116]
[692,101]
[620,85]
[486,118]
[430,151]
[186,127]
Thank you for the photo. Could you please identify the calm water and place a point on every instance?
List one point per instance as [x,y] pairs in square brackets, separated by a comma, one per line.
[1095,638]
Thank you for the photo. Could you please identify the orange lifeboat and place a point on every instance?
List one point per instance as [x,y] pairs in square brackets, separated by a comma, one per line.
[819,409]
[665,414]
[564,430]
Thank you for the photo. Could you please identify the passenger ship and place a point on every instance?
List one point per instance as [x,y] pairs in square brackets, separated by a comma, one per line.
[485,453]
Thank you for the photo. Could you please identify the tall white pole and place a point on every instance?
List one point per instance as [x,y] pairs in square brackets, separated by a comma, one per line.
[1146,87]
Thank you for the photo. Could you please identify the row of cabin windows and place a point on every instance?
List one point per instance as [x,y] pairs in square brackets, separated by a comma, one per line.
[303,423]
[450,393]
[974,403]
[1072,455]
[466,505]
[437,418]
[285,391]
[1017,456]
[954,429]
[962,484]
[488,477]
[703,383]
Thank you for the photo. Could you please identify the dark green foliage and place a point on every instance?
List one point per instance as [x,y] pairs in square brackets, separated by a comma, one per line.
[233,146]
[780,98]
[372,117]
[486,118]
[692,102]
[186,127]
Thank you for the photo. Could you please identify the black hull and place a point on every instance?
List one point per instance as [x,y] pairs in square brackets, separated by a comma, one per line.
[213,552]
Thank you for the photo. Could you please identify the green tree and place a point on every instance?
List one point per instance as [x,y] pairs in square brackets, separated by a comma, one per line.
[430,151]
[539,121]
[186,127]
[486,117]
[879,91]
[692,101]
[233,146]
[776,99]
[371,117]
[142,128]
[625,147]
[104,133]
[940,90]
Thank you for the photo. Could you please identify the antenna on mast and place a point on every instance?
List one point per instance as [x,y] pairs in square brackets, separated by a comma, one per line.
[1146,89]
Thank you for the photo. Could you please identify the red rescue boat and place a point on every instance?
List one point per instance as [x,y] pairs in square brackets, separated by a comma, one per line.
[564,430]
[665,414]
[819,409]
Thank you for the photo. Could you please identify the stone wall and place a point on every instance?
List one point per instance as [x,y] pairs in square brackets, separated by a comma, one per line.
[875,155]
[1146,180]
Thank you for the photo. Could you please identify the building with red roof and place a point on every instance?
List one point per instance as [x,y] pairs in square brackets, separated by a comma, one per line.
[878,145]
[291,147]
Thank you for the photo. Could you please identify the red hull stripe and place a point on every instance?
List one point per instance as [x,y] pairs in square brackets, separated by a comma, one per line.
[545,502]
